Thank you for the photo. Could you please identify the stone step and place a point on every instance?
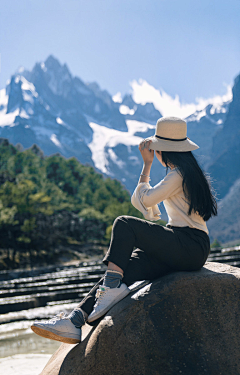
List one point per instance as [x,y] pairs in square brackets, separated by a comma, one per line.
[44,289]
[53,282]
[36,272]
[55,275]
[235,263]
[26,302]
[225,253]
[225,259]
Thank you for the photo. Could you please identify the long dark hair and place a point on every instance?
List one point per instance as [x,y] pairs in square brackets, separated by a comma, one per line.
[196,184]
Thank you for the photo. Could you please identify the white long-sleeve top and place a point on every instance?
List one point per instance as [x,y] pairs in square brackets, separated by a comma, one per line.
[169,191]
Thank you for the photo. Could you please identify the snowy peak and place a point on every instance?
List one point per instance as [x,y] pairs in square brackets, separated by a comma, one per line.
[15,97]
[143,92]
[128,101]
[50,107]
[215,114]
[64,93]
[57,76]
[19,99]
[140,112]
[52,64]
[215,109]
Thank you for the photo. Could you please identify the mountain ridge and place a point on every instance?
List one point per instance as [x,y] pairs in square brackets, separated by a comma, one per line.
[61,113]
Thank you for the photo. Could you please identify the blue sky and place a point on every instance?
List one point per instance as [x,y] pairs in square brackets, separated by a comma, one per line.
[185,47]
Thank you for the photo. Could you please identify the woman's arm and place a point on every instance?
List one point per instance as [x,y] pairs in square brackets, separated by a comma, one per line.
[145,174]
[147,156]
[170,185]
[152,213]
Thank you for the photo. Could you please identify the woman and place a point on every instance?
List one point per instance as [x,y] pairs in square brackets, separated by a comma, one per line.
[183,245]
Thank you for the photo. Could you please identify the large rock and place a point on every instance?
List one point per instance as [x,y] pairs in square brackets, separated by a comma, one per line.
[184,323]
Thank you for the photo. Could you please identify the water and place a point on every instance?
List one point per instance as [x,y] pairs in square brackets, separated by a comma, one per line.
[17,337]
[24,364]
[22,352]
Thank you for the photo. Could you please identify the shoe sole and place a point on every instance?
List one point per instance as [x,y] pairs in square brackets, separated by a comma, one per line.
[104,311]
[138,285]
[54,336]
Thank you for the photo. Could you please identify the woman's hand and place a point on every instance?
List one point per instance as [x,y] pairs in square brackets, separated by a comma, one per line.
[146,153]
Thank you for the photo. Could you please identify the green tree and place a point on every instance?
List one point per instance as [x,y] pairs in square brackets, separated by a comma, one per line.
[22,198]
[8,223]
[215,243]
[50,199]
[116,209]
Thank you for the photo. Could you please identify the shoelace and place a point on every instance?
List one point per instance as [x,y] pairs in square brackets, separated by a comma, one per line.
[99,295]
[59,316]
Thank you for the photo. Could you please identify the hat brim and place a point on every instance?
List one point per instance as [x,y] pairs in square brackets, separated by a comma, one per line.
[177,146]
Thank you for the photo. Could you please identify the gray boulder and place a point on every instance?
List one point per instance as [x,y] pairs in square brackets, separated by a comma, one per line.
[184,323]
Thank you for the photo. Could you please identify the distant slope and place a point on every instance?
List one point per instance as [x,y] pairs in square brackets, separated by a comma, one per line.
[226,226]
[225,168]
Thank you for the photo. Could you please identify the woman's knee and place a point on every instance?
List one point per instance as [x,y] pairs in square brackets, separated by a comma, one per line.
[118,225]
[125,223]
[123,219]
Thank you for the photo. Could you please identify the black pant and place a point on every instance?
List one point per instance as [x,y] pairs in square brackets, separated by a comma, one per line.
[159,251]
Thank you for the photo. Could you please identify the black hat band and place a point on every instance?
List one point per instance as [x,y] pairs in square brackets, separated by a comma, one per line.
[171,139]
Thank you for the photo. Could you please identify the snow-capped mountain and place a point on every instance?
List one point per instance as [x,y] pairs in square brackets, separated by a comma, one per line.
[61,113]
[204,118]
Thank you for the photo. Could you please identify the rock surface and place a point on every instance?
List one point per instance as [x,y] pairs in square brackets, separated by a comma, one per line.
[184,323]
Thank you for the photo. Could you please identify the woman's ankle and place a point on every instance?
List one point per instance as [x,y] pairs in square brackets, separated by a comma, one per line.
[78,317]
[112,279]
[113,267]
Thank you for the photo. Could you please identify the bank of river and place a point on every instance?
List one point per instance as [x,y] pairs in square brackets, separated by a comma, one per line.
[24,353]
[24,364]
[17,337]
[21,351]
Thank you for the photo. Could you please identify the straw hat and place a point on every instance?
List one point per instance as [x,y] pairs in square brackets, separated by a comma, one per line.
[171,135]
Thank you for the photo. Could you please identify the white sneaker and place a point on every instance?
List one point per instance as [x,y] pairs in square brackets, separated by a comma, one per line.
[58,328]
[107,298]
